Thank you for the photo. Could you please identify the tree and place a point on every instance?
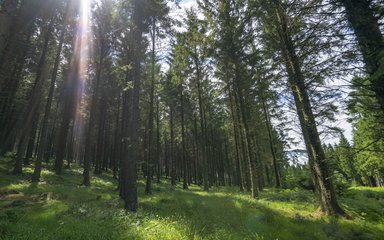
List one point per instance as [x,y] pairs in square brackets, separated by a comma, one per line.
[32,108]
[296,81]
[47,112]
[346,160]
[370,40]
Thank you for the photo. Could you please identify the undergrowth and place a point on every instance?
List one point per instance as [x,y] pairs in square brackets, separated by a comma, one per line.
[59,208]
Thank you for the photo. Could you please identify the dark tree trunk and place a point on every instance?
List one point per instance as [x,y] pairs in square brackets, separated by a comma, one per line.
[132,114]
[252,164]
[8,115]
[184,163]
[158,148]
[117,139]
[236,136]
[71,87]
[41,151]
[171,150]
[370,40]
[7,16]
[31,140]
[203,138]
[271,144]
[150,138]
[32,107]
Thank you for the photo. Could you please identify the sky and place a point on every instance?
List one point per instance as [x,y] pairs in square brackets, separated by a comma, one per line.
[187,3]
[341,119]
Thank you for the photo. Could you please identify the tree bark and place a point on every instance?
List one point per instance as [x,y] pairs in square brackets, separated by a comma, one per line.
[41,151]
[317,160]
[370,40]
[271,145]
[202,126]
[31,109]
[148,185]
[132,114]
[184,163]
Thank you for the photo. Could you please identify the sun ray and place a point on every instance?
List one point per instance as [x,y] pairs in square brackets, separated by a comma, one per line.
[82,53]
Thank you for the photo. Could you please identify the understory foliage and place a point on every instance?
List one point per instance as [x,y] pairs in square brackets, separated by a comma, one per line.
[58,208]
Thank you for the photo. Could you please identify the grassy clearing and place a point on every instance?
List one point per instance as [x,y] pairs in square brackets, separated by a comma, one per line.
[58,208]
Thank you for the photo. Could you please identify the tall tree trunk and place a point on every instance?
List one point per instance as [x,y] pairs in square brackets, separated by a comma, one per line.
[202,126]
[236,136]
[158,150]
[184,163]
[370,40]
[171,150]
[117,139]
[148,187]
[32,139]
[32,107]
[41,151]
[247,142]
[7,15]
[317,160]
[89,146]
[71,87]
[271,144]
[129,167]
[8,94]
[101,145]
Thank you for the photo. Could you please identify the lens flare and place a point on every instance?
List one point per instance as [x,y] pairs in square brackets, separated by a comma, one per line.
[82,56]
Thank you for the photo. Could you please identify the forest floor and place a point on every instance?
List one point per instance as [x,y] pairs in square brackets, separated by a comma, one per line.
[58,208]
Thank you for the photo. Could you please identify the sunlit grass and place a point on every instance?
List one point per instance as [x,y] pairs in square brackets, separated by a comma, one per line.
[77,212]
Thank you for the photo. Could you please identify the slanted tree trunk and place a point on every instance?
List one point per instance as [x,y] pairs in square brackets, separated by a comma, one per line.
[317,160]
[370,40]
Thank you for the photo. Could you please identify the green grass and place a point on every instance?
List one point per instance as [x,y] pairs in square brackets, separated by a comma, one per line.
[76,212]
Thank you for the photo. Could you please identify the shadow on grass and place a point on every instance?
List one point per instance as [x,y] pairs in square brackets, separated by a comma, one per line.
[78,212]
[236,217]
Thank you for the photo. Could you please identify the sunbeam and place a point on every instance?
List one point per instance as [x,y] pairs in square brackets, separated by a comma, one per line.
[82,53]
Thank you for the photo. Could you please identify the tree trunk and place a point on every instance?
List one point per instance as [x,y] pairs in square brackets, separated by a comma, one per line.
[185,184]
[132,114]
[236,136]
[271,145]
[44,131]
[370,40]
[171,150]
[252,164]
[204,141]
[71,87]
[32,140]
[317,160]
[32,107]
[158,150]
[148,185]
